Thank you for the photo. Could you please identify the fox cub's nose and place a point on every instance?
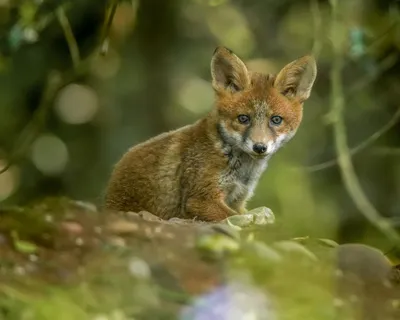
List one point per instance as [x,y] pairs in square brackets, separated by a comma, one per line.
[259,148]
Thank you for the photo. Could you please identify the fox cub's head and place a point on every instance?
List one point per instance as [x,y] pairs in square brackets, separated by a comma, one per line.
[258,113]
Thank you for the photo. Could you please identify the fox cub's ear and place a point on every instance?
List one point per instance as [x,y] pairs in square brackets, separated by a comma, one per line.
[228,72]
[297,78]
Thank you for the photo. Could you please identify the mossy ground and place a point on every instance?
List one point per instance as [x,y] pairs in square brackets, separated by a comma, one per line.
[63,259]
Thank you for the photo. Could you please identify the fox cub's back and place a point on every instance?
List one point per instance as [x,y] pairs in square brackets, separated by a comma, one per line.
[148,175]
[209,169]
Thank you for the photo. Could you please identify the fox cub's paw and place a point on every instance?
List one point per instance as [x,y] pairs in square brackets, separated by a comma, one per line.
[257,216]
[262,215]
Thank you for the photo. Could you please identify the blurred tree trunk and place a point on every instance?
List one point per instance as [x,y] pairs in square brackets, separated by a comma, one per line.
[156,36]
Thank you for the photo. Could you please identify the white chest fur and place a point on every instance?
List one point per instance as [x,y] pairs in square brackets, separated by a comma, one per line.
[240,177]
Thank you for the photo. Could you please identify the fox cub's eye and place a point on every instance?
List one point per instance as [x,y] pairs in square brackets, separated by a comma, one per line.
[276,120]
[243,119]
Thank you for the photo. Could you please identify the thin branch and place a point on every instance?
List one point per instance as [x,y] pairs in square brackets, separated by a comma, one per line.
[348,174]
[29,132]
[383,34]
[54,82]
[107,26]
[363,145]
[386,151]
[386,64]
[317,21]
[69,36]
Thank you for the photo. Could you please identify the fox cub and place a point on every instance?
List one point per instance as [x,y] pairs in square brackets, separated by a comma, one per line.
[209,169]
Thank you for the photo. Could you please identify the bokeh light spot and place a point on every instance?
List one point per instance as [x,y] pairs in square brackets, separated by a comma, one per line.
[77,104]
[106,66]
[230,27]
[263,65]
[9,181]
[196,95]
[49,154]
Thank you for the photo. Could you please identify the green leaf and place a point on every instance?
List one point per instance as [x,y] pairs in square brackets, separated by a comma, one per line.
[217,245]
[295,247]
[266,252]
[22,245]
[328,243]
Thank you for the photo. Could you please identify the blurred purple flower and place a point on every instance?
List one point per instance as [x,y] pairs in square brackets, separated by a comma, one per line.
[230,302]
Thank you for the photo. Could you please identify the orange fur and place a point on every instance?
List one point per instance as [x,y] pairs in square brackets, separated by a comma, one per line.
[209,169]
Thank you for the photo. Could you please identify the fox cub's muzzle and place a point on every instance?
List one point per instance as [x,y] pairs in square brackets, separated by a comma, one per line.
[259,148]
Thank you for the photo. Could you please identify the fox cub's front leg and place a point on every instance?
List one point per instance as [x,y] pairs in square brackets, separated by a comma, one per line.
[239,207]
[211,210]
[244,217]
